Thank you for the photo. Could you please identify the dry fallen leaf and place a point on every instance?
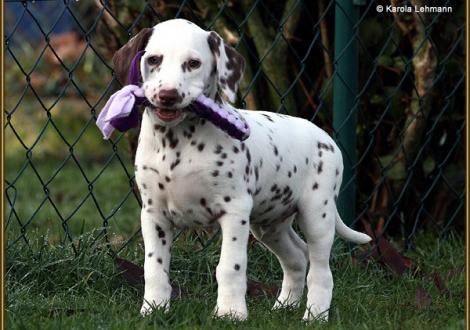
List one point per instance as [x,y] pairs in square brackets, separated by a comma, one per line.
[422,298]
[383,251]
[392,258]
[134,275]
[256,289]
[440,285]
[454,272]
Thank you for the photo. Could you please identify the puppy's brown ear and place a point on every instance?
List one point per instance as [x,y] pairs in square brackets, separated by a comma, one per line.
[229,65]
[123,57]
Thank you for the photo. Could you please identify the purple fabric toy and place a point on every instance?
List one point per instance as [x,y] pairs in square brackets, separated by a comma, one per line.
[121,110]
[225,118]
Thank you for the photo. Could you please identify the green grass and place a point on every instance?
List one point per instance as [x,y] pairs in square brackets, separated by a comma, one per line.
[69,197]
[50,288]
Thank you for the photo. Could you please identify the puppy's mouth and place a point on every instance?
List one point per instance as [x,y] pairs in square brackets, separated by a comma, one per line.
[167,114]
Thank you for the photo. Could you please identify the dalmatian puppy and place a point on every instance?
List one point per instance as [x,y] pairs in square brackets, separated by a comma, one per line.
[190,173]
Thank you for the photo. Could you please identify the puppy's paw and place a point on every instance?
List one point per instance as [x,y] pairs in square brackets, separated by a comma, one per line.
[312,314]
[239,314]
[151,305]
[285,304]
[146,309]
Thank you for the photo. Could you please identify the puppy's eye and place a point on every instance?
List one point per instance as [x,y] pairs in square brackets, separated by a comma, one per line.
[194,64]
[154,60]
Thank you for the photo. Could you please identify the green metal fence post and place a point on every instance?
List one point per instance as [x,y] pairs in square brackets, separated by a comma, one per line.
[344,98]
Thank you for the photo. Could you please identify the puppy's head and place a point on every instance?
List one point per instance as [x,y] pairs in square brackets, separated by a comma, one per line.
[181,62]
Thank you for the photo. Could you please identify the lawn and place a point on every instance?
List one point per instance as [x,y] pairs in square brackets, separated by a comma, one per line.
[51,288]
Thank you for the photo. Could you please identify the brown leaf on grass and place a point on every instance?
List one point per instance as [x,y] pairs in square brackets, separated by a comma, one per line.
[454,272]
[365,256]
[383,251]
[134,275]
[422,298]
[131,272]
[392,258]
[257,289]
[440,285]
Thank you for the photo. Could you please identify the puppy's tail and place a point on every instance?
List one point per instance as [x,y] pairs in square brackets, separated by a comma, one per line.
[349,234]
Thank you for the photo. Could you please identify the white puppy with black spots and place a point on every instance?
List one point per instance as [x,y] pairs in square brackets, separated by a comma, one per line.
[190,173]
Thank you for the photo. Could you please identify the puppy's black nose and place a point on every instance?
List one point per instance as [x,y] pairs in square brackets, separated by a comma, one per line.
[168,97]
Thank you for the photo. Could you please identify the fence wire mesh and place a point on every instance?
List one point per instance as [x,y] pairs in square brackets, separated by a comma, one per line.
[63,180]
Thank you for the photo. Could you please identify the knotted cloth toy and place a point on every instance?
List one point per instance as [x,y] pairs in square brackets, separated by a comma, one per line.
[121,113]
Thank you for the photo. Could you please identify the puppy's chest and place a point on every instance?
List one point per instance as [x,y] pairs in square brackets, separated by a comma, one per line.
[184,174]
[169,167]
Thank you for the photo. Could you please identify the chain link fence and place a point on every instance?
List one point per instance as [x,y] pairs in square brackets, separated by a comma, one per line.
[388,86]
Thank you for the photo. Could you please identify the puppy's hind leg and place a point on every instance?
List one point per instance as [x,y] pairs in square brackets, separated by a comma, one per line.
[291,251]
[317,221]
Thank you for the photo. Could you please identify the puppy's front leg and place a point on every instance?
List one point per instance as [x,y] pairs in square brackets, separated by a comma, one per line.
[157,239]
[231,270]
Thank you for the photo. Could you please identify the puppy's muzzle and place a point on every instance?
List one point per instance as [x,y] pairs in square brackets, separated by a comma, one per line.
[168,97]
